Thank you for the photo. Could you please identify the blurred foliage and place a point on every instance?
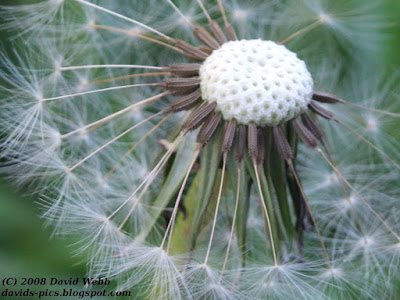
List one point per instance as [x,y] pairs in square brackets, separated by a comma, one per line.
[26,249]
[392,49]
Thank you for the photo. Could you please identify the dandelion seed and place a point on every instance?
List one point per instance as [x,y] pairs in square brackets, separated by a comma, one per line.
[201,157]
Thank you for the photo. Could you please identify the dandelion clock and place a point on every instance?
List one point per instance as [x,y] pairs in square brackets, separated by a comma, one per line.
[210,149]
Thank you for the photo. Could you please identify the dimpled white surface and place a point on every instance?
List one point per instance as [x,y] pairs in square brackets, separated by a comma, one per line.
[256,81]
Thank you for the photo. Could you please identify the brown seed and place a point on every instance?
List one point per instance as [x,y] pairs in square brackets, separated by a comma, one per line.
[181,86]
[191,52]
[197,117]
[319,110]
[282,144]
[206,49]
[208,128]
[184,70]
[218,33]
[231,33]
[204,36]
[326,98]
[305,135]
[252,141]
[260,146]
[229,134]
[241,144]
[311,126]
[185,102]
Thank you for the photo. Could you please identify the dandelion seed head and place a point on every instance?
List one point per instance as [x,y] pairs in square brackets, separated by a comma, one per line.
[137,30]
[90,23]
[396,247]
[253,221]
[345,205]
[353,199]
[366,242]
[256,81]
[55,137]
[83,83]
[136,113]
[326,18]
[240,14]
[372,124]
[334,272]
[331,178]
[103,184]
[205,282]
[40,99]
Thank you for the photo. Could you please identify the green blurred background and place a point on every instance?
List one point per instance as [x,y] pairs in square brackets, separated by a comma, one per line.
[26,246]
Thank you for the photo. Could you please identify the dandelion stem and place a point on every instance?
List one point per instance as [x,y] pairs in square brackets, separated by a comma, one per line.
[243,28]
[358,194]
[304,30]
[138,35]
[345,191]
[110,66]
[99,91]
[148,180]
[110,12]
[331,98]
[383,112]
[112,141]
[266,213]
[201,4]
[368,143]
[233,221]
[223,13]
[180,12]
[114,168]
[130,76]
[216,209]
[114,115]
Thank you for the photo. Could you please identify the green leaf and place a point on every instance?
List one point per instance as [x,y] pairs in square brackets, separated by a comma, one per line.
[210,159]
[277,175]
[172,183]
[183,224]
